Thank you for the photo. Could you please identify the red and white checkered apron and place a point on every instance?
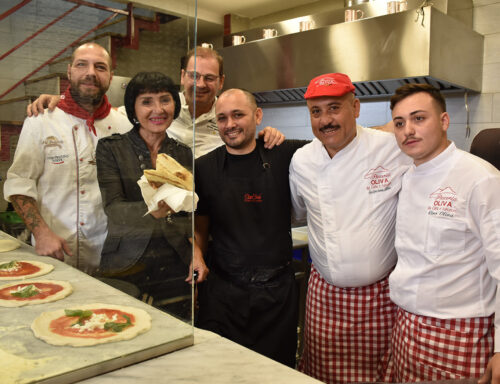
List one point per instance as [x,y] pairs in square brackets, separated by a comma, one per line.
[347,332]
[428,349]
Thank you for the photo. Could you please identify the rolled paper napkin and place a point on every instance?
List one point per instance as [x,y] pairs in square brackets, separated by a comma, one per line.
[176,198]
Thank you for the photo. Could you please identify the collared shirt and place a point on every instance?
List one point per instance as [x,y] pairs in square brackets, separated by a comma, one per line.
[55,164]
[350,201]
[206,134]
[448,238]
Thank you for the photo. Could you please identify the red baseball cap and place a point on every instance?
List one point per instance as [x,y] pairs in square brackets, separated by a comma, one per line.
[329,84]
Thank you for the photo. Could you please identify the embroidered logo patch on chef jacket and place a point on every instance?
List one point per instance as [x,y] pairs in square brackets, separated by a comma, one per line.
[442,202]
[53,147]
[379,179]
[252,198]
[52,141]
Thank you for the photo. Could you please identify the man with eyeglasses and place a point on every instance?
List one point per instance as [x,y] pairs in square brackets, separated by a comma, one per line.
[209,79]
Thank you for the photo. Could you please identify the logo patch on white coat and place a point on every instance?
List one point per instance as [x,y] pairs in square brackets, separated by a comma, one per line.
[53,146]
[443,202]
[379,179]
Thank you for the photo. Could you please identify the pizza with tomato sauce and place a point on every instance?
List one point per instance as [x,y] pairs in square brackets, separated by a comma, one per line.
[33,292]
[91,324]
[23,269]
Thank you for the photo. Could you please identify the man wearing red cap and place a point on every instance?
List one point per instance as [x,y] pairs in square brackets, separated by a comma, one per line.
[346,182]
[52,182]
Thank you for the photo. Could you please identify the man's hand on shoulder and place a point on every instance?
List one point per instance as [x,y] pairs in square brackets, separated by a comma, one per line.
[492,373]
[43,101]
[271,137]
[49,244]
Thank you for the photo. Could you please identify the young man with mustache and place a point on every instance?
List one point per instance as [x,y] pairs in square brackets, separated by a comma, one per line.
[52,182]
[446,280]
[346,183]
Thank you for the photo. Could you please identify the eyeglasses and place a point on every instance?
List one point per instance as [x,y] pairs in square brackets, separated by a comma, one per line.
[208,78]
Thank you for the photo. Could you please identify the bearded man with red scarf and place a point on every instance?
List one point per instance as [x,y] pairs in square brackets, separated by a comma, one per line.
[52,182]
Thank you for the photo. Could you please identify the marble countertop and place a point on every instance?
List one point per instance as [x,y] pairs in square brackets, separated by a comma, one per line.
[212,359]
[27,359]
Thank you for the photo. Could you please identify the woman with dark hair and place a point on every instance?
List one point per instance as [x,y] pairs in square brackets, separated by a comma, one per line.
[150,251]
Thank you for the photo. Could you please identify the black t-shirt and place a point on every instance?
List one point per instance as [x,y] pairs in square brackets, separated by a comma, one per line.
[241,166]
[213,174]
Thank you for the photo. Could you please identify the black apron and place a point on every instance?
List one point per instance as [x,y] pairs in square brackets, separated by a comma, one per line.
[250,295]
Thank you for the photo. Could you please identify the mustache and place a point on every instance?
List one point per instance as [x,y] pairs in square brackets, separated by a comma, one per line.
[409,138]
[329,126]
[230,130]
[90,80]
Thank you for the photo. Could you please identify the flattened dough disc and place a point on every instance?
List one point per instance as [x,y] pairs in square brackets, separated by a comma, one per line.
[7,245]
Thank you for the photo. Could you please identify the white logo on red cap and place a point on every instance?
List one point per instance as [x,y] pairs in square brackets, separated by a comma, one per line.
[326,81]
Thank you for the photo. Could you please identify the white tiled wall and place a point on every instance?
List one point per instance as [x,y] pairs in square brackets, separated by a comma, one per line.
[292,120]
[484,108]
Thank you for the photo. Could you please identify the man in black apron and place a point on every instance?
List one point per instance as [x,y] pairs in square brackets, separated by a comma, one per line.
[250,295]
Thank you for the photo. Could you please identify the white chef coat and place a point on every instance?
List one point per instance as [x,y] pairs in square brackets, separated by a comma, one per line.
[350,201]
[448,239]
[55,164]
[206,135]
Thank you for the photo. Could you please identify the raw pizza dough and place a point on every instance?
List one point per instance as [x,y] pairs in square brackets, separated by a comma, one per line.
[61,288]
[44,326]
[7,245]
[38,267]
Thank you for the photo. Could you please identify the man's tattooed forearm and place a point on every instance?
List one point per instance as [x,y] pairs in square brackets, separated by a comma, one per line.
[26,207]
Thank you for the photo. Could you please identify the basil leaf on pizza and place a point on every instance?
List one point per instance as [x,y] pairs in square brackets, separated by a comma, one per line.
[34,292]
[117,327]
[106,323]
[23,269]
[78,313]
[10,265]
[27,291]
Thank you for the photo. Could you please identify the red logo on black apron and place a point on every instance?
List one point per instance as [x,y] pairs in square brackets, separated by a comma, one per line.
[252,198]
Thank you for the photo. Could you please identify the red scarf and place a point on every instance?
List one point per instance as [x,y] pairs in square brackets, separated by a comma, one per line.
[68,105]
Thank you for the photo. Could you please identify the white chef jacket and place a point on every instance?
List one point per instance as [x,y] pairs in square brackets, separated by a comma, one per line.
[448,239]
[207,133]
[350,201]
[55,164]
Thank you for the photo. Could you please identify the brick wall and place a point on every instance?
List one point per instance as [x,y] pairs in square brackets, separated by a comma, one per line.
[9,135]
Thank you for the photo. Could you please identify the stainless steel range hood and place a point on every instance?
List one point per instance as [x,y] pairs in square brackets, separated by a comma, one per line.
[378,53]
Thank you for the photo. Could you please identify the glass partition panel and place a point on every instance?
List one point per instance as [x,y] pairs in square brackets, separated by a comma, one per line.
[97,204]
